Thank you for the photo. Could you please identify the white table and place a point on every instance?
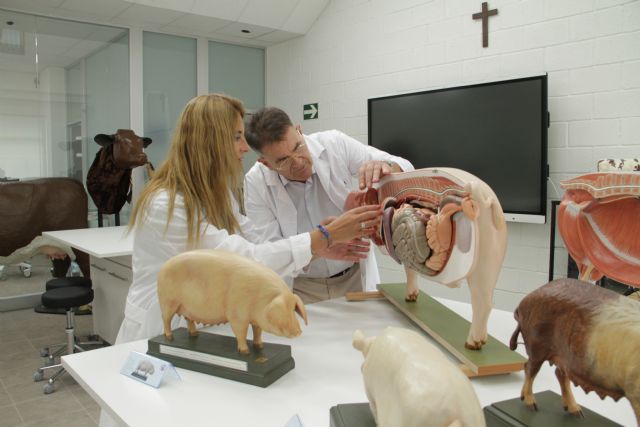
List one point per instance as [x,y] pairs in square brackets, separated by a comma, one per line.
[327,372]
[110,251]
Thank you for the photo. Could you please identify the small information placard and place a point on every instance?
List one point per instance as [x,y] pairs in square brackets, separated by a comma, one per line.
[148,369]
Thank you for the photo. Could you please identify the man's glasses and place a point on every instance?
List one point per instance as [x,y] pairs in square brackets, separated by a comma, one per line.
[297,152]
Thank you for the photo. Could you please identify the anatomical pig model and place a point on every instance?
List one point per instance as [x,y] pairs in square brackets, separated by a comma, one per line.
[213,286]
[598,221]
[591,334]
[447,225]
[409,382]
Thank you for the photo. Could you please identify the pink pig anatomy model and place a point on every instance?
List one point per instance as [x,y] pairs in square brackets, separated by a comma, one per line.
[447,225]
[599,221]
[213,286]
[410,383]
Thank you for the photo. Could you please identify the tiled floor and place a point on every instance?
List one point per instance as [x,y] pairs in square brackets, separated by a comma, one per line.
[22,403]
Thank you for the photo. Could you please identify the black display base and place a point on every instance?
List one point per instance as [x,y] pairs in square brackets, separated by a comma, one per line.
[351,415]
[77,311]
[550,413]
[218,355]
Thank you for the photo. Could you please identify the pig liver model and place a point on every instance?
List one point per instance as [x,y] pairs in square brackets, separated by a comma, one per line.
[214,286]
[591,334]
[409,382]
[447,225]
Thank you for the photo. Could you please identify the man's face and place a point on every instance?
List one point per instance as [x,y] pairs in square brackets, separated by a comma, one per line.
[289,157]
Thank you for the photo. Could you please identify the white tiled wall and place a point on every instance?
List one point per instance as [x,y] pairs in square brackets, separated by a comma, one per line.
[359,49]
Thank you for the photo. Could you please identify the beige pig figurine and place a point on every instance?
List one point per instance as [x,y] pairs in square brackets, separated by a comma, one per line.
[410,383]
[213,286]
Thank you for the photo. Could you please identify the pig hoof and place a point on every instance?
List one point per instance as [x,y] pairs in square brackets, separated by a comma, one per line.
[577,412]
[475,346]
[530,402]
[193,334]
[168,337]
[411,297]
[243,351]
[258,345]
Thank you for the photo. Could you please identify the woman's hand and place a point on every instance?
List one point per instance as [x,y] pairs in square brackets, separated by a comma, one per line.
[354,250]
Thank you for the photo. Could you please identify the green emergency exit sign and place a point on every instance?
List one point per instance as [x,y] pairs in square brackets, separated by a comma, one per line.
[310,111]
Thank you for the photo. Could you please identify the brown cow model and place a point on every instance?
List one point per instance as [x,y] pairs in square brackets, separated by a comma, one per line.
[27,208]
[109,177]
[591,334]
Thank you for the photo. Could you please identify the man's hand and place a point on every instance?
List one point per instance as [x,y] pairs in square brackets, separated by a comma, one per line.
[354,250]
[371,172]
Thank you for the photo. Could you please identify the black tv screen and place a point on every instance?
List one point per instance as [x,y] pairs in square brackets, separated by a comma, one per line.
[496,131]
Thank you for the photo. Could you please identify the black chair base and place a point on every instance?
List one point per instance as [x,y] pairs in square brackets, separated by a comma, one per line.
[64,298]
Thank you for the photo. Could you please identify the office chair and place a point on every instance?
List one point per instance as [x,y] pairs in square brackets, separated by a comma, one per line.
[61,294]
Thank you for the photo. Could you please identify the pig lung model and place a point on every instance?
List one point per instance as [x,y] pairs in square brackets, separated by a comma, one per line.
[591,334]
[447,225]
[409,382]
[213,286]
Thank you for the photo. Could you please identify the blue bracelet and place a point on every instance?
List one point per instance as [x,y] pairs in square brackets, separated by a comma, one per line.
[325,233]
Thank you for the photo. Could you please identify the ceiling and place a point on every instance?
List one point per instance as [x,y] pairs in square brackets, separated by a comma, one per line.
[257,23]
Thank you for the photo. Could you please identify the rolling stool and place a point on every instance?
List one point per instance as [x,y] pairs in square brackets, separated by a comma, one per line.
[62,282]
[65,297]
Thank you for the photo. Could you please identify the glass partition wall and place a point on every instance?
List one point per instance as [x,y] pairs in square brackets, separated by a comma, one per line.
[59,82]
[62,82]
[238,71]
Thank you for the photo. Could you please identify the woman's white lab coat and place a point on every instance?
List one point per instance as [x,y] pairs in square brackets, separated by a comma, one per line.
[336,159]
[152,247]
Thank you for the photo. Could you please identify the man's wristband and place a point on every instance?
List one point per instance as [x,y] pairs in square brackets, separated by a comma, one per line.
[325,233]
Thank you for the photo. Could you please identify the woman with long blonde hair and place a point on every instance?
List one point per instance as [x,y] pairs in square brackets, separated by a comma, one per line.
[192,202]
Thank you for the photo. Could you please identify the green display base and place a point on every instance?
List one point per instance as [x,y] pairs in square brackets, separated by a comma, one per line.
[218,355]
[450,330]
[351,415]
[550,413]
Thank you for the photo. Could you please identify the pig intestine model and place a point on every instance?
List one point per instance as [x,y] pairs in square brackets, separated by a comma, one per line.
[447,225]
[409,382]
[212,286]
[591,334]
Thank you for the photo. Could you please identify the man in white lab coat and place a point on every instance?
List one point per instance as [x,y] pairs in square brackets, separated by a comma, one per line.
[301,179]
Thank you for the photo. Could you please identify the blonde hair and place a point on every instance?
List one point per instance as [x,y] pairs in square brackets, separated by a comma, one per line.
[201,165]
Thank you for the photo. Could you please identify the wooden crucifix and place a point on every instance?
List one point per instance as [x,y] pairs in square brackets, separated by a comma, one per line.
[484,15]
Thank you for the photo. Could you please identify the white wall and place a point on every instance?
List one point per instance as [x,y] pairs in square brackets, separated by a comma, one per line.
[359,49]
[21,125]
[54,112]
[32,124]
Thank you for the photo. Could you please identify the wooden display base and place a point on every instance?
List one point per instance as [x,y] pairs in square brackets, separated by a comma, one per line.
[351,415]
[550,413]
[218,355]
[363,296]
[450,330]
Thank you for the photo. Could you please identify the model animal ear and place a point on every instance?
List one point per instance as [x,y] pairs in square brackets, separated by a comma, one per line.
[300,309]
[103,139]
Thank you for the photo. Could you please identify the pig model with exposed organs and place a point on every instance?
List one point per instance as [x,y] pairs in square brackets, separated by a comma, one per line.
[446,225]
[214,286]
[410,383]
[591,334]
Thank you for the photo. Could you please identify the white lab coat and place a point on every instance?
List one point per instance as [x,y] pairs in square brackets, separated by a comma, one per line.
[336,159]
[152,247]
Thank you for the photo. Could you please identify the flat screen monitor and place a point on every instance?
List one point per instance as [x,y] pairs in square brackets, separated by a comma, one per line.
[497,131]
